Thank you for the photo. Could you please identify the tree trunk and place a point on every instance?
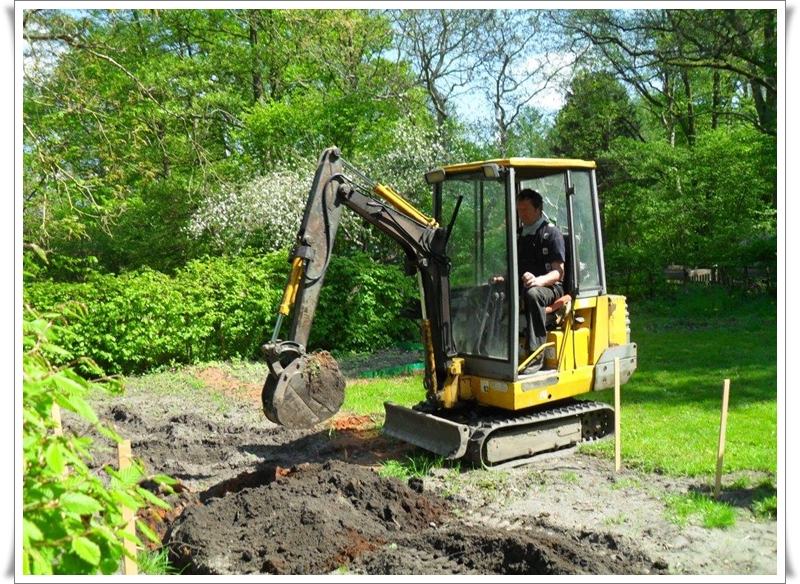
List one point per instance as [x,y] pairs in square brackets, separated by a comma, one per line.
[716,100]
[257,82]
[690,125]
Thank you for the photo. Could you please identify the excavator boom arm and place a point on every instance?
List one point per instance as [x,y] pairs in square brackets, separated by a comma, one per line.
[300,390]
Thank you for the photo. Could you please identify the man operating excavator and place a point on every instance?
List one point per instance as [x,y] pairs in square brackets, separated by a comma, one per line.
[478,405]
[540,263]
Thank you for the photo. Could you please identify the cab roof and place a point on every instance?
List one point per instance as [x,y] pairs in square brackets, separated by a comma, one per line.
[524,163]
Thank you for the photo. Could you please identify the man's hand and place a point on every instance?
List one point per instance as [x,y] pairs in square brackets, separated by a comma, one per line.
[529,280]
[548,279]
[497,279]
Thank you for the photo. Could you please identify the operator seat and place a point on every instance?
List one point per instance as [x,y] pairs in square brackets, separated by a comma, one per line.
[557,311]
[561,307]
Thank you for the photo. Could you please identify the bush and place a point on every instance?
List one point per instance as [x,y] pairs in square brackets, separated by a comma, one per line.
[360,304]
[211,309]
[72,522]
[223,308]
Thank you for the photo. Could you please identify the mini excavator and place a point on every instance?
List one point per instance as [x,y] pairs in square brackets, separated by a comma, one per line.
[478,405]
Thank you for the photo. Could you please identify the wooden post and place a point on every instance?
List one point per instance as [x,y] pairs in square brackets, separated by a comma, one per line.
[56,415]
[130,567]
[617,453]
[722,424]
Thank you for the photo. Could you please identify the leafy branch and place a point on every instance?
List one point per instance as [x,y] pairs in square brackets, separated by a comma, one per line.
[72,520]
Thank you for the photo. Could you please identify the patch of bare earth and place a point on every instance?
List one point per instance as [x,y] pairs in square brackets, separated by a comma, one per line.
[256,498]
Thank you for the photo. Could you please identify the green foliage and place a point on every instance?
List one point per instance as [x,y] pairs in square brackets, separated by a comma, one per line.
[218,308]
[224,308]
[360,304]
[265,211]
[708,206]
[528,136]
[597,111]
[134,117]
[155,137]
[72,520]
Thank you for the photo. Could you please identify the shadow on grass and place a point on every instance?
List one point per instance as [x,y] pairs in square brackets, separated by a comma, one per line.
[760,499]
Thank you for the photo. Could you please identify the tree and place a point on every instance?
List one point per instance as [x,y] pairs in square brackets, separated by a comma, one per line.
[244,214]
[529,135]
[133,118]
[444,48]
[686,206]
[126,112]
[597,110]
[520,62]
[656,51]
[706,142]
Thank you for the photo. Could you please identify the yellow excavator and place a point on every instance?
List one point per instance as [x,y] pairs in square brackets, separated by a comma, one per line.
[479,406]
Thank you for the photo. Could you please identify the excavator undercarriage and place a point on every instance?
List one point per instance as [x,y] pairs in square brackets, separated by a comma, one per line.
[497,439]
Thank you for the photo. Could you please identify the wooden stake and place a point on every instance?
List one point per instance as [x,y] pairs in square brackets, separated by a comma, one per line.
[722,424]
[131,568]
[56,415]
[617,452]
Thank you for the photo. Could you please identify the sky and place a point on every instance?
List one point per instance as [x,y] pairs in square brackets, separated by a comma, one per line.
[11,217]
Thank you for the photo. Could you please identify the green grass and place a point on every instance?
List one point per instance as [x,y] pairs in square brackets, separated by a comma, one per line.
[367,396]
[418,465]
[569,476]
[155,563]
[695,507]
[618,519]
[671,408]
[766,508]
[626,483]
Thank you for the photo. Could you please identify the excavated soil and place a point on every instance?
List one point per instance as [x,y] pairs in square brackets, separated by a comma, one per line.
[257,498]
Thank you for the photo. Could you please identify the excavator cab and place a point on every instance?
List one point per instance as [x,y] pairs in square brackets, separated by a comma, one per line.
[477,405]
[477,202]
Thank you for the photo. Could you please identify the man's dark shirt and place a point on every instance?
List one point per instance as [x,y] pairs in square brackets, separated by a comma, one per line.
[536,252]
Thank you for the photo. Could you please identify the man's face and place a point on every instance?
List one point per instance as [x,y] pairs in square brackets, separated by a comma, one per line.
[527,213]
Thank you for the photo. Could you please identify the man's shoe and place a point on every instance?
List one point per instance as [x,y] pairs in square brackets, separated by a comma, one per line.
[534,366]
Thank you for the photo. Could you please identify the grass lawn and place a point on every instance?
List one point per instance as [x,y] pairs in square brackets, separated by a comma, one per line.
[671,408]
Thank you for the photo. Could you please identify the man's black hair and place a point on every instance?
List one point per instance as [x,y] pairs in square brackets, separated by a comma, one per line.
[530,195]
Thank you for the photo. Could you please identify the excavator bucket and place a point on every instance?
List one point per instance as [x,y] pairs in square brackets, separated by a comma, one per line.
[435,434]
[307,391]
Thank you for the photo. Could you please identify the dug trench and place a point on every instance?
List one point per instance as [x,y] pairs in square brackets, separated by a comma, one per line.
[257,498]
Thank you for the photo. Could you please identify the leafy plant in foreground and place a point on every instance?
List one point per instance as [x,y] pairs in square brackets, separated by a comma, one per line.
[72,521]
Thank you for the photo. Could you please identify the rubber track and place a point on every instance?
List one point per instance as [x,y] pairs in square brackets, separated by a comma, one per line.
[481,432]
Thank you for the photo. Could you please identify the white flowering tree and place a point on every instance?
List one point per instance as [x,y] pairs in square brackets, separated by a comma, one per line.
[266,211]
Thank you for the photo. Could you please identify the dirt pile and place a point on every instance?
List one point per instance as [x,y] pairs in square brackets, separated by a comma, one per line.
[322,518]
[310,520]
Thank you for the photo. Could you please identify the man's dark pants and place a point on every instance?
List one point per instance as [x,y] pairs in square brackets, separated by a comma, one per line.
[537,298]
